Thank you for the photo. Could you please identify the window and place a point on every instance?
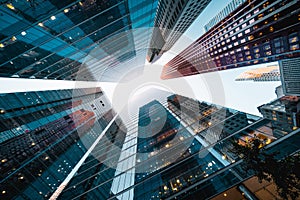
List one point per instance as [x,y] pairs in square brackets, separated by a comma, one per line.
[251,37]
[240,34]
[247,31]
[251,21]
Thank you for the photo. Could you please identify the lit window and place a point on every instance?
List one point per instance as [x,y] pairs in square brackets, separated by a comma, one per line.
[268,53]
[240,34]
[236,43]
[260,16]
[293,39]
[251,21]
[294,47]
[251,37]
[243,40]
[237,29]
[244,25]
[247,31]
[234,37]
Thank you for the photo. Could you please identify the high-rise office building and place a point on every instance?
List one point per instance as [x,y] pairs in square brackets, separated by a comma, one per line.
[172,19]
[269,73]
[178,147]
[44,134]
[284,112]
[256,32]
[223,13]
[70,40]
[290,76]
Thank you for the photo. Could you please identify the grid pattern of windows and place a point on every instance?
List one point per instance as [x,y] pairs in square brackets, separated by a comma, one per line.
[254,33]
[173,18]
[54,39]
[43,135]
[290,73]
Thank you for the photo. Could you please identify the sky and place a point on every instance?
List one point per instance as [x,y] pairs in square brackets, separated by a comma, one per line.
[216,87]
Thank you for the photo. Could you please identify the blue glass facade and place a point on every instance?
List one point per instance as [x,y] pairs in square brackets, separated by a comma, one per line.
[54,40]
[77,148]
[44,135]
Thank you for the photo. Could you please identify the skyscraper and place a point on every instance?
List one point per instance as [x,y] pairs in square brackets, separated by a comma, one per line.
[269,73]
[44,135]
[223,13]
[284,113]
[256,32]
[178,147]
[172,19]
[70,40]
[289,69]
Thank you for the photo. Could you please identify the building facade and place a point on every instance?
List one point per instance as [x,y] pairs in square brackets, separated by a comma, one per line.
[284,112]
[256,32]
[289,69]
[44,135]
[224,12]
[177,148]
[269,73]
[172,19]
[72,40]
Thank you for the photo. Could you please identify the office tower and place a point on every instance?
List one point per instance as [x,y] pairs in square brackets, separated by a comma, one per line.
[176,147]
[223,13]
[269,73]
[72,40]
[44,135]
[289,69]
[172,19]
[284,113]
[256,32]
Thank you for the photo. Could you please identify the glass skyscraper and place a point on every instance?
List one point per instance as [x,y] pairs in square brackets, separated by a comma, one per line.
[72,39]
[44,134]
[172,19]
[102,40]
[256,32]
[175,148]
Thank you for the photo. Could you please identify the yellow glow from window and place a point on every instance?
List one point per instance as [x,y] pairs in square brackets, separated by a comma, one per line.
[1,45]
[10,6]
[13,38]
